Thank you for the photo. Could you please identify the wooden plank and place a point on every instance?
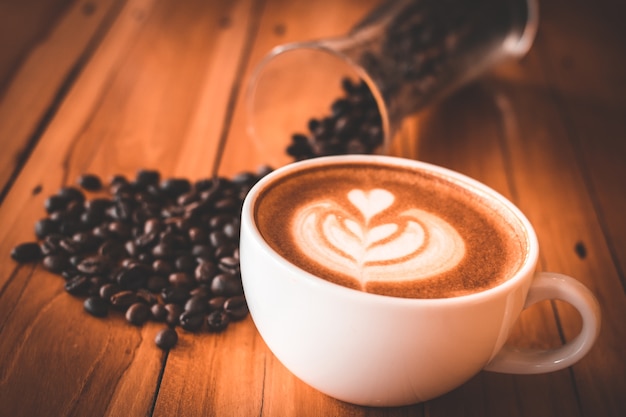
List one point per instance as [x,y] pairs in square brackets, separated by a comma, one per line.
[47,44]
[142,100]
[22,26]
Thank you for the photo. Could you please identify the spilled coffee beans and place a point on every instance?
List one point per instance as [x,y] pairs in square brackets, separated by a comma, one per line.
[153,249]
[167,250]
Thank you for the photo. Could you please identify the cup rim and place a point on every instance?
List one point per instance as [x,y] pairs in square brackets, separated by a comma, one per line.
[526,269]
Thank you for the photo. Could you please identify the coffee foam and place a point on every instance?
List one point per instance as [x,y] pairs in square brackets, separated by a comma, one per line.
[389,230]
[413,244]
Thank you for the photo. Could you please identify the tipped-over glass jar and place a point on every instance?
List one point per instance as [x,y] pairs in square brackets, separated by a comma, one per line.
[349,94]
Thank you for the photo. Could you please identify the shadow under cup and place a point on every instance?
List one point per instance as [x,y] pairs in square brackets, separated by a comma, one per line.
[382,350]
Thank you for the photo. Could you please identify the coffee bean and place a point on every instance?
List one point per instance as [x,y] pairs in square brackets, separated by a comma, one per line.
[156,283]
[158,312]
[185,263]
[89,182]
[55,203]
[236,307]
[96,306]
[108,290]
[176,295]
[78,285]
[138,314]
[217,321]
[173,314]
[197,304]
[181,279]
[56,263]
[216,303]
[173,187]
[123,299]
[166,338]
[190,321]
[227,285]
[45,227]
[26,252]
[94,265]
[147,177]
[71,194]
[133,277]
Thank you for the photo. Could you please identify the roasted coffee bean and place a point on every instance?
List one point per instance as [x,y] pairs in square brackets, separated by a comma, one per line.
[162,267]
[227,249]
[229,264]
[146,296]
[197,304]
[138,314]
[133,277]
[156,283]
[120,229]
[87,240]
[173,187]
[201,290]
[71,247]
[147,177]
[218,238]
[96,306]
[217,321]
[90,182]
[175,295]
[112,249]
[26,252]
[191,321]
[108,290]
[95,282]
[56,263]
[205,272]
[216,303]
[45,227]
[51,244]
[226,285]
[181,279]
[163,250]
[173,314]
[71,194]
[158,312]
[123,299]
[94,265]
[78,285]
[202,252]
[166,338]
[236,307]
[231,230]
[147,240]
[55,203]
[197,235]
[185,263]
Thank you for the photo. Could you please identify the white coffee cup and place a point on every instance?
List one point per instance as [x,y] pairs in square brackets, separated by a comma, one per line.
[377,350]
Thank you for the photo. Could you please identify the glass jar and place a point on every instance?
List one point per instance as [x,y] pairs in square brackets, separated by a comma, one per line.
[349,94]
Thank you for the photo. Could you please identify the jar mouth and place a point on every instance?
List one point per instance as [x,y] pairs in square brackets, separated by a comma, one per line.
[329,49]
[520,45]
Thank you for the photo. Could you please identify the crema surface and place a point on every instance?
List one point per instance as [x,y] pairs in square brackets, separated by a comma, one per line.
[389,230]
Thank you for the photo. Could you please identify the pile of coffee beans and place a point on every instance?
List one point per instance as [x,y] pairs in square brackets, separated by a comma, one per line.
[156,249]
[354,126]
[167,250]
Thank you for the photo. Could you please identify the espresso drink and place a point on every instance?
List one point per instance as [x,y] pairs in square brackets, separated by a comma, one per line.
[390,230]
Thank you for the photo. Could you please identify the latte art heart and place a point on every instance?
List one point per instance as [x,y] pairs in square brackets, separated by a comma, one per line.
[376,245]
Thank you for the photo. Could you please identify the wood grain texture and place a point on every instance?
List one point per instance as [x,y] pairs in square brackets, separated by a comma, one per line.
[114,86]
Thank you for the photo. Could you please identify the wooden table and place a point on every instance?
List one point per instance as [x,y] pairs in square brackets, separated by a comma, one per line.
[111,86]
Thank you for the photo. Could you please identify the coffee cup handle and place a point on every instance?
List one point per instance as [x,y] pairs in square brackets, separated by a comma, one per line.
[548,286]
